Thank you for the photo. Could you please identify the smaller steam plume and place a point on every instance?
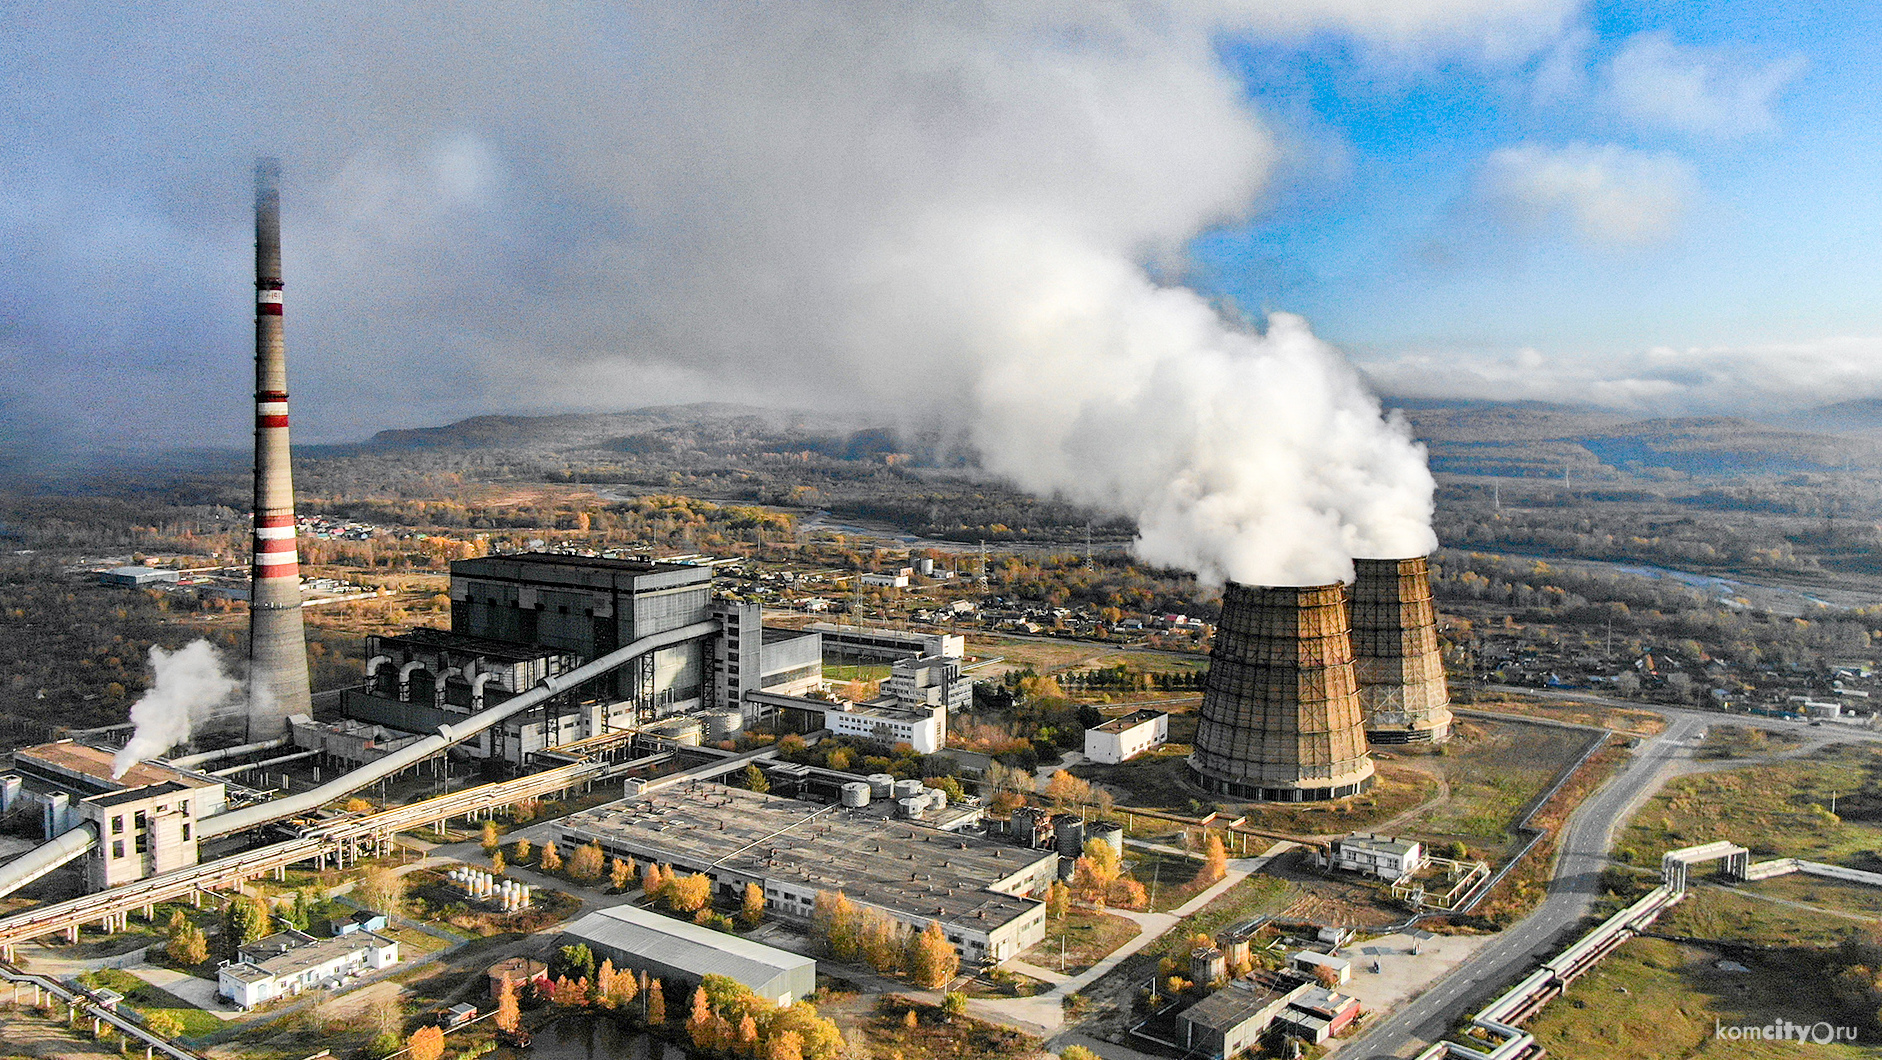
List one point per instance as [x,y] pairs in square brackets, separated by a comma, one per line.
[190,686]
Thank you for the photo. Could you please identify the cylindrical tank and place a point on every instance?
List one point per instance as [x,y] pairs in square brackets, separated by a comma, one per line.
[1069,833]
[856,794]
[907,789]
[925,566]
[685,730]
[913,806]
[1068,867]
[723,724]
[1111,833]
[881,785]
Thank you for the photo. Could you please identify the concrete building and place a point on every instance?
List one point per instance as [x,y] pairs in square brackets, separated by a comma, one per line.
[1375,855]
[930,681]
[591,606]
[888,579]
[133,577]
[288,962]
[1318,1014]
[145,819]
[983,893]
[749,657]
[1121,739]
[1314,963]
[641,940]
[1233,1019]
[887,645]
[881,721]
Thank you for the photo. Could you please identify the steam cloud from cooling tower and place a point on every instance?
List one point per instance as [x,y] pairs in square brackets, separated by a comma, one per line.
[189,688]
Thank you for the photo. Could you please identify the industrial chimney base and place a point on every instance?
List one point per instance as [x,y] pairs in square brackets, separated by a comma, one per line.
[1255,793]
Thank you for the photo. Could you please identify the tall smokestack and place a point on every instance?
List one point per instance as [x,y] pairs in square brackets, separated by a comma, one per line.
[277,642]
[1395,642]
[1280,707]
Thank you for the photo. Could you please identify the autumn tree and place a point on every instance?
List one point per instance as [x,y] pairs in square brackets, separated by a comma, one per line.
[753,909]
[189,946]
[497,865]
[689,894]
[1066,790]
[656,1004]
[747,1043]
[509,1011]
[755,779]
[586,863]
[489,838]
[426,1043]
[1215,860]
[163,1024]
[932,960]
[621,991]
[785,1046]
[699,1021]
[519,851]
[652,880]
[551,857]
[619,874]
[835,920]
[1093,874]
[1058,900]
[879,937]
[383,890]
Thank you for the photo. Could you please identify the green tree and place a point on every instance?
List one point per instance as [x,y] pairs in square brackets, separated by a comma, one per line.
[954,1003]
[575,962]
[755,779]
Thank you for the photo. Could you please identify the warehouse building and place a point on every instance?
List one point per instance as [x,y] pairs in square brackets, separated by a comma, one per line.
[887,645]
[982,893]
[288,962]
[641,940]
[133,577]
[1127,737]
[1233,1019]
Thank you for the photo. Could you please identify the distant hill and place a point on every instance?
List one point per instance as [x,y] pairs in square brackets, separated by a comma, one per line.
[1861,416]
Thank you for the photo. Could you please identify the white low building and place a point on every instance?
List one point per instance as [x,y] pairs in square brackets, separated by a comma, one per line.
[288,962]
[1127,737]
[924,728]
[1375,855]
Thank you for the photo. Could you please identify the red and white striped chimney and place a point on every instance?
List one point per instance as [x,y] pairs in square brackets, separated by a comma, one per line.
[277,642]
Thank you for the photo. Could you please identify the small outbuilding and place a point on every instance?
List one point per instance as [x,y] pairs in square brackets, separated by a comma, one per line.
[1314,963]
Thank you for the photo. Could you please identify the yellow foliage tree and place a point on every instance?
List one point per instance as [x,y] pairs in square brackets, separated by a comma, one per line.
[509,1013]
[1215,864]
[753,909]
[932,960]
[551,858]
[426,1043]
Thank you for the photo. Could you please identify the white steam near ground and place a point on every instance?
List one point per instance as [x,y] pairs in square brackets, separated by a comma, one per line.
[970,217]
[189,687]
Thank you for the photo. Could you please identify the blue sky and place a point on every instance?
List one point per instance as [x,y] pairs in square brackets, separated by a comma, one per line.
[1385,236]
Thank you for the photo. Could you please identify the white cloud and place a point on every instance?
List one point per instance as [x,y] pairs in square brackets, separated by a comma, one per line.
[1607,194]
[1763,379]
[1657,83]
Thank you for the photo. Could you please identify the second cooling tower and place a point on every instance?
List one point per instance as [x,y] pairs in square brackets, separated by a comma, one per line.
[1395,644]
[1280,718]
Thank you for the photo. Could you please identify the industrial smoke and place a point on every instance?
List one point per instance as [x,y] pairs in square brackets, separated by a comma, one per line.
[190,687]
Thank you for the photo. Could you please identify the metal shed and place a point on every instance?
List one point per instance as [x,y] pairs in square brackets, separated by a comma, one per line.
[661,946]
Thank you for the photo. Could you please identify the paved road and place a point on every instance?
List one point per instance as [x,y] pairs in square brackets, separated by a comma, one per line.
[1828,731]
[1582,854]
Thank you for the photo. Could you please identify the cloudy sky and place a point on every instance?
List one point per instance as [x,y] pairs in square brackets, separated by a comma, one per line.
[1662,207]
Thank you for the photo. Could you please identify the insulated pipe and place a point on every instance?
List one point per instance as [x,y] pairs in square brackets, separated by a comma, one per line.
[477,688]
[447,735]
[277,638]
[373,664]
[47,856]
[192,761]
[295,757]
[405,679]
[437,691]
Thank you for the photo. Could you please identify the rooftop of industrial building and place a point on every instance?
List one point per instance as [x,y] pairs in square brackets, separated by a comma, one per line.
[94,766]
[1243,998]
[557,559]
[287,953]
[1382,843]
[1131,720]
[504,650]
[775,634]
[150,791]
[892,864]
[684,944]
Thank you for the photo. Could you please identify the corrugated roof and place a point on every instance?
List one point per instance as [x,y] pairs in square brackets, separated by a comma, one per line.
[685,945]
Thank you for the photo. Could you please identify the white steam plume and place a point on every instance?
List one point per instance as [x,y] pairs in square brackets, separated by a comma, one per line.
[190,685]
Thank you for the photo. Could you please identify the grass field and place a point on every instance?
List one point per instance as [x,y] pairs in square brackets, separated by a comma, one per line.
[1776,810]
[1852,898]
[1655,1000]
[1720,913]
[1737,741]
[1088,938]
[1493,769]
[1620,719]
[1161,782]
[148,999]
[1255,896]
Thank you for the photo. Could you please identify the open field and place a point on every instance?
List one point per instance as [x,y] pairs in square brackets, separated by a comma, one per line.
[1492,770]
[1853,898]
[1738,741]
[1655,1000]
[1776,810]
[1620,719]
[1160,781]
[148,1000]
[1088,937]
[1257,895]
[1719,913]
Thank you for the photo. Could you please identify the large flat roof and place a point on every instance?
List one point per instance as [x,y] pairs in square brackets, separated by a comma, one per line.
[94,766]
[892,864]
[1130,721]
[686,945]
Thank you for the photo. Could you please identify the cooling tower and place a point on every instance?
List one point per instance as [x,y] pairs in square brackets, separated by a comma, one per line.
[1395,644]
[1280,706]
[277,643]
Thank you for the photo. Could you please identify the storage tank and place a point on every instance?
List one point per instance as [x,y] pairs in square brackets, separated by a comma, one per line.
[912,806]
[1069,833]
[685,729]
[937,799]
[1111,833]
[881,785]
[723,724]
[856,794]
[908,789]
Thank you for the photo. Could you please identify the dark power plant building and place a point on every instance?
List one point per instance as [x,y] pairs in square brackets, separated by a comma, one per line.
[1280,706]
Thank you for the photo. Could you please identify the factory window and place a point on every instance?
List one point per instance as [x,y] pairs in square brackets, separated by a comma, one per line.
[143,842]
[117,848]
[183,808]
[186,831]
[117,824]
